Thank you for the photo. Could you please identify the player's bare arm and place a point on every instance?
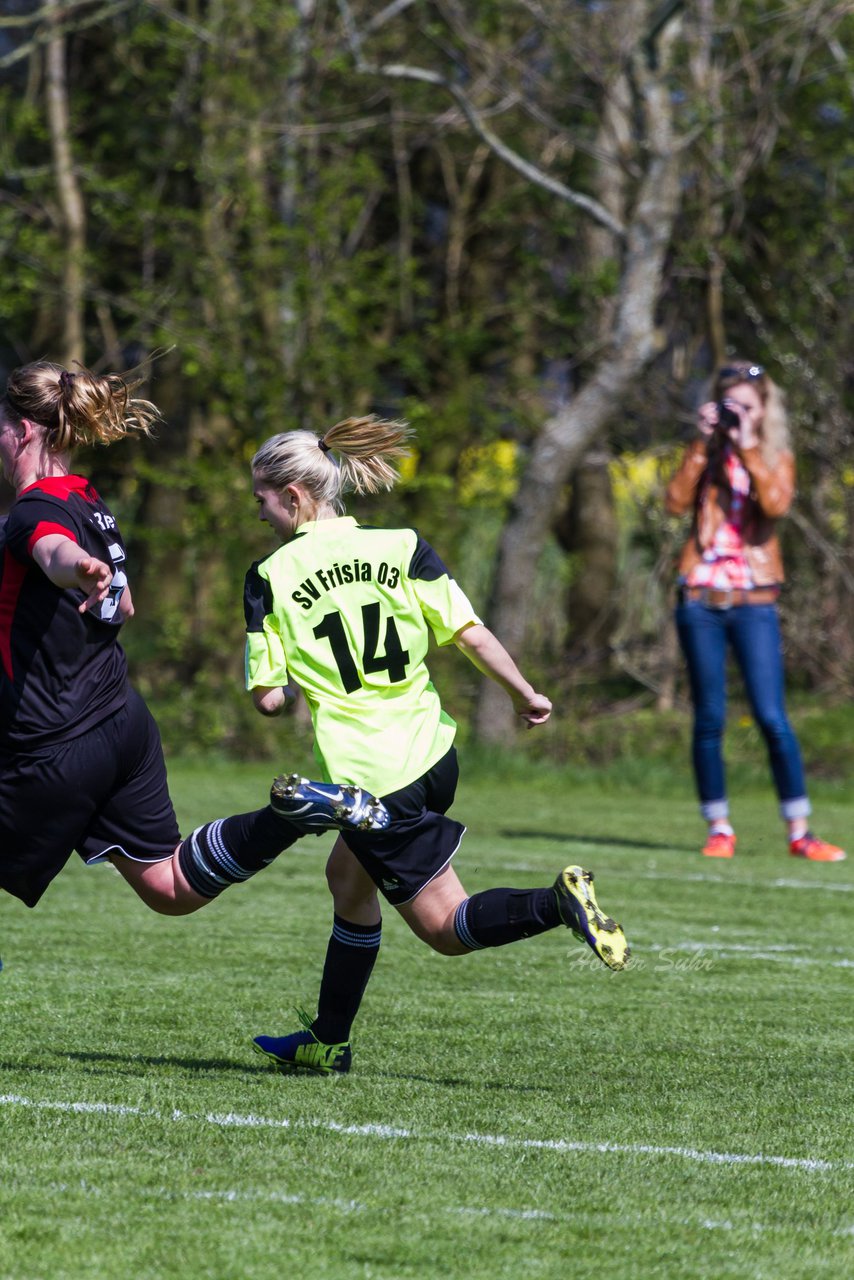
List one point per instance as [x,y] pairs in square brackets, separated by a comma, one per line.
[490,657]
[68,565]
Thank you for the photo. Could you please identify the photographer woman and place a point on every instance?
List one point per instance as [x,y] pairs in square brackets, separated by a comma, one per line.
[738,478]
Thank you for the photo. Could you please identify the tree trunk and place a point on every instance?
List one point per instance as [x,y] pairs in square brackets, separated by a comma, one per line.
[569,432]
[669,659]
[707,77]
[289,194]
[72,208]
[589,526]
[590,530]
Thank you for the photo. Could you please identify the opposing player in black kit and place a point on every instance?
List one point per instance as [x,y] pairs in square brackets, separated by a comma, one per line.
[81,764]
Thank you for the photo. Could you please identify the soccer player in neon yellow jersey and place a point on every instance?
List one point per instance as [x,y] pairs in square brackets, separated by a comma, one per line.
[345,611]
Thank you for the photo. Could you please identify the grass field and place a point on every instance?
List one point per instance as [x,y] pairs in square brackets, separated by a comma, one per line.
[518,1113]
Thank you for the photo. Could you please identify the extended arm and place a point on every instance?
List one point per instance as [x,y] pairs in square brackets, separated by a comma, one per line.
[491,658]
[68,565]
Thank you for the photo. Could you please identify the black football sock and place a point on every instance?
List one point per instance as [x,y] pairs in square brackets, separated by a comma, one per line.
[498,916]
[350,958]
[231,850]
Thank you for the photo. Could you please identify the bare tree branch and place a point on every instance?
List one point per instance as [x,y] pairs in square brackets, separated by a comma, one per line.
[843,60]
[68,21]
[401,71]
[41,15]
[390,11]
[830,553]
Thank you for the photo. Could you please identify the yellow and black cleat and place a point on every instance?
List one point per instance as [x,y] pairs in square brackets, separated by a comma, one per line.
[580,912]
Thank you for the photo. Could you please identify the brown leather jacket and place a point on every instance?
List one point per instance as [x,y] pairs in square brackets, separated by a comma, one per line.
[771,492]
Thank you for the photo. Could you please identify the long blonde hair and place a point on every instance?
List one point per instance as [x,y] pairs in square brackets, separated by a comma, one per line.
[76,408]
[365,449]
[775,437]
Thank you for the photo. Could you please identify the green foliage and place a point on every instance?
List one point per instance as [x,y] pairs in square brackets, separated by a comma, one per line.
[312,241]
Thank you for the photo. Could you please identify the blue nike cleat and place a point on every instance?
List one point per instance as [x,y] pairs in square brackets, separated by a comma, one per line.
[314,807]
[302,1051]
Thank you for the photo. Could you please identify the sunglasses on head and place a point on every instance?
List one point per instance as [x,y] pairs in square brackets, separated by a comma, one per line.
[741,371]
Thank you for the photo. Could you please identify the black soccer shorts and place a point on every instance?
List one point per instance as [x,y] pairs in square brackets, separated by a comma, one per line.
[419,842]
[105,790]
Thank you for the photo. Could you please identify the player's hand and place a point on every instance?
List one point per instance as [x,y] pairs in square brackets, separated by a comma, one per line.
[93,577]
[533,710]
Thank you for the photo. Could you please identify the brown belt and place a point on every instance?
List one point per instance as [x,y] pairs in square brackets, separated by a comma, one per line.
[716,599]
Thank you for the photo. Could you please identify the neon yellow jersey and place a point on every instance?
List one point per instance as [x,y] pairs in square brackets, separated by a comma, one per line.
[346,611]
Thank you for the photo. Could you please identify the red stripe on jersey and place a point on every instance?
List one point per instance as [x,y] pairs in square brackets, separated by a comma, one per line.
[63,487]
[43,530]
[13,577]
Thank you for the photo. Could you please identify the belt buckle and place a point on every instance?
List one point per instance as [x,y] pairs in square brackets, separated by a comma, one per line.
[723,605]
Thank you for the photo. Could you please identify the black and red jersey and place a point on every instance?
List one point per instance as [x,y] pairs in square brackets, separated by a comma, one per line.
[61,671]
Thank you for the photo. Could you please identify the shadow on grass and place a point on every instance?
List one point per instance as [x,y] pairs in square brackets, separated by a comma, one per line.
[165,1060]
[223,1064]
[459,1082]
[615,842]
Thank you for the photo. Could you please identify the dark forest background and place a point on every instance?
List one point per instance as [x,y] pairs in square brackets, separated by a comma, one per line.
[531,228]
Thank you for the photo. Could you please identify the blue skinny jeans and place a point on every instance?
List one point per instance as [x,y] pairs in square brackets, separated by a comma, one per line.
[753,631]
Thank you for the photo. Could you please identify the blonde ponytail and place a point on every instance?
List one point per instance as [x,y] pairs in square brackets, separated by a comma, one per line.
[77,408]
[365,448]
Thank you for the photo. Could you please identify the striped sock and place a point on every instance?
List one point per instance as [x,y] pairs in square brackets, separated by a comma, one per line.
[350,957]
[498,916]
[230,850]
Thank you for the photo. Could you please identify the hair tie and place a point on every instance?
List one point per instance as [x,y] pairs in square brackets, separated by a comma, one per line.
[65,379]
[321,444]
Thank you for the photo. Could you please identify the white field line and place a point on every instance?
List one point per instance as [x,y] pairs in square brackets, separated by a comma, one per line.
[704,877]
[391,1133]
[692,956]
[463,1211]
[780,953]
[227,1197]
[811,884]
[231,1196]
